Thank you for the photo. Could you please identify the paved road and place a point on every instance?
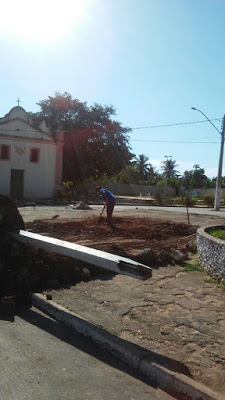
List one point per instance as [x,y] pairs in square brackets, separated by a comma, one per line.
[42,360]
[40,212]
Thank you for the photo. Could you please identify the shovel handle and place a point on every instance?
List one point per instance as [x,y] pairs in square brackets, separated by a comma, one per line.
[102,211]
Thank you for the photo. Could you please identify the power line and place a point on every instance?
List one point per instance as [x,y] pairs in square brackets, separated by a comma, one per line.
[134,128]
[175,124]
[172,141]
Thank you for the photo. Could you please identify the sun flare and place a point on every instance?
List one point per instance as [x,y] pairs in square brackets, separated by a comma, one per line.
[43,20]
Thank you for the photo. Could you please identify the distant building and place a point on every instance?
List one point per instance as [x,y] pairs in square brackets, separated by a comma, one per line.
[30,158]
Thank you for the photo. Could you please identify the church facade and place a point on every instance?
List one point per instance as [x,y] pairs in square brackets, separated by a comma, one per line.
[30,158]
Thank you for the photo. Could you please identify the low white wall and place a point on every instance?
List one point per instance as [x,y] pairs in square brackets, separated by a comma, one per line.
[144,190]
[126,190]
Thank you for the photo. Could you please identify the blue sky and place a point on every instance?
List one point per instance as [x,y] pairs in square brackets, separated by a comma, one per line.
[152,59]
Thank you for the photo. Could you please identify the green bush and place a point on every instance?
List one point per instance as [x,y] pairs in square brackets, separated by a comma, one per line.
[68,189]
[208,200]
[159,196]
[177,200]
[163,196]
[189,201]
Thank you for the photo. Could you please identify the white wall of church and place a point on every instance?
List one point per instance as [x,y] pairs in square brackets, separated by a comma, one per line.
[39,178]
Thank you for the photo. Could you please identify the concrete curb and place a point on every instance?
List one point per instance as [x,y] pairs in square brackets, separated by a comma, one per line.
[177,385]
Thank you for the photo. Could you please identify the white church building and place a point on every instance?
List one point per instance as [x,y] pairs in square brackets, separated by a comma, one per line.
[30,158]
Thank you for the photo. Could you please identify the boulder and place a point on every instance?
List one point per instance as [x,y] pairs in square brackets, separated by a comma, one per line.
[192,246]
[10,218]
[178,255]
[147,257]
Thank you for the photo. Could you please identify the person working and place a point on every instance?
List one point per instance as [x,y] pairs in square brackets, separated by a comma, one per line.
[110,201]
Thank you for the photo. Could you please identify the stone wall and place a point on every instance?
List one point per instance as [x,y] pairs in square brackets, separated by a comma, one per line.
[211,253]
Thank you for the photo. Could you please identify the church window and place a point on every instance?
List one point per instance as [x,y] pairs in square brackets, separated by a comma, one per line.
[34,155]
[5,152]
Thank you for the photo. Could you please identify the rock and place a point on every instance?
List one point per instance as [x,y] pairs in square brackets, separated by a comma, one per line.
[10,218]
[85,274]
[177,255]
[192,246]
[147,257]
[164,257]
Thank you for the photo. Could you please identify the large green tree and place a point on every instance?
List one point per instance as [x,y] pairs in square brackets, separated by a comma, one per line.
[195,178]
[96,144]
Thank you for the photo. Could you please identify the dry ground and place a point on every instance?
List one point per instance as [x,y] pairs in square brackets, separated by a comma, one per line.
[178,315]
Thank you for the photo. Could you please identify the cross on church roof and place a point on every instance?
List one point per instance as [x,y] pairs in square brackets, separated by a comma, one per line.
[18,101]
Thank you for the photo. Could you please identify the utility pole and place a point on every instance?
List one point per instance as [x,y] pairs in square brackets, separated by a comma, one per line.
[219,176]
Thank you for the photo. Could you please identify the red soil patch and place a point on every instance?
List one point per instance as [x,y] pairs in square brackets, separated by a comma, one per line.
[128,235]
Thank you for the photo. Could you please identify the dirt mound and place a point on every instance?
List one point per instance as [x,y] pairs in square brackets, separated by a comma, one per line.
[131,234]
[81,206]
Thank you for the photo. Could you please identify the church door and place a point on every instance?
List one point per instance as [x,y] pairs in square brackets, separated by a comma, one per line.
[16,184]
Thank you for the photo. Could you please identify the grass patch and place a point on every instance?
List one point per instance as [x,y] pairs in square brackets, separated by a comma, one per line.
[192,267]
[136,318]
[218,233]
[220,285]
[210,280]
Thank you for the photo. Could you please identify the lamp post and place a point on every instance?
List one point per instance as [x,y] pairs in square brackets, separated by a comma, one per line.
[220,166]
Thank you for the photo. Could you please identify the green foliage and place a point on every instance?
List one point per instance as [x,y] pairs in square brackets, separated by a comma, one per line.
[141,164]
[95,144]
[192,267]
[159,196]
[128,175]
[153,176]
[220,285]
[168,167]
[68,189]
[177,200]
[218,233]
[195,178]
[190,201]
[163,196]
[102,180]
[162,183]
[208,199]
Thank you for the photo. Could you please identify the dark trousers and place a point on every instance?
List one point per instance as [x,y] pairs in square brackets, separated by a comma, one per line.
[109,211]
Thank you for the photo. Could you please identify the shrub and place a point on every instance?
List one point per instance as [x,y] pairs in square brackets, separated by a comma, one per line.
[159,196]
[208,200]
[68,189]
[189,201]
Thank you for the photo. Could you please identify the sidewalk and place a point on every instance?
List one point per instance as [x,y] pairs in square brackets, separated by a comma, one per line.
[177,314]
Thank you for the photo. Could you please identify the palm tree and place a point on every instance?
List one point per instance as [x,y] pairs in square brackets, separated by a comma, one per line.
[142,165]
[168,167]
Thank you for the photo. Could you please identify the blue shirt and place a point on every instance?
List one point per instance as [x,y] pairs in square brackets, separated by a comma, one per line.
[107,195]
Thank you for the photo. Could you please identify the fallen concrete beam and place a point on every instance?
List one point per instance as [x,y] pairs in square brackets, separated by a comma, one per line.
[112,262]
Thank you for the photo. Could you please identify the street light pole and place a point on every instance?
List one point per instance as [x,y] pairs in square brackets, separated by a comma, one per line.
[219,176]
[220,166]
